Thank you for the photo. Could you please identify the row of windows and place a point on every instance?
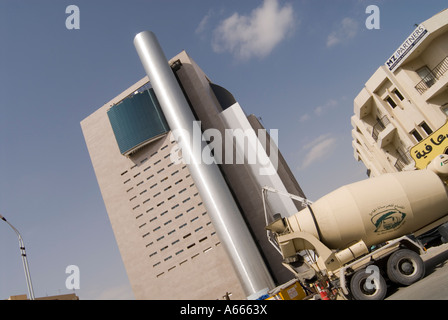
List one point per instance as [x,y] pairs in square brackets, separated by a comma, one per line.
[415,133]
[189,246]
[208,249]
[156,183]
[173,237]
[158,238]
[425,128]
[146,159]
[152,176]
[168,222]
[177,241]
[177,221]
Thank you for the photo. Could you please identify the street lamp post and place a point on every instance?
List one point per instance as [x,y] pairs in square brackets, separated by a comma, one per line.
[24,259]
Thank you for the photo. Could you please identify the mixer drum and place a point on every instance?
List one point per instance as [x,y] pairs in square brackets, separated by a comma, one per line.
[375,210]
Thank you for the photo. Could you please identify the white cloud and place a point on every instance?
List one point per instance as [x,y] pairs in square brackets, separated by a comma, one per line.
[204,22]
[318,149]
[322,109]
[347,30]
[304,118]
[257,34]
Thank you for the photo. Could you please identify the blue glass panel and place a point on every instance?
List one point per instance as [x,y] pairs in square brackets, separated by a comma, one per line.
[137,120]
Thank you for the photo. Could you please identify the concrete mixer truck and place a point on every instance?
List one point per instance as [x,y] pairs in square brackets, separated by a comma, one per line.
[352,242]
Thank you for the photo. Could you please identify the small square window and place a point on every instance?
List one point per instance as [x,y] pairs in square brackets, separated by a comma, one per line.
[416,135]
[391,102]
[398,94]
[425,127]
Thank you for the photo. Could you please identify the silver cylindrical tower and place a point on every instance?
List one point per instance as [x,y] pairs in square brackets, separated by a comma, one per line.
[218,200]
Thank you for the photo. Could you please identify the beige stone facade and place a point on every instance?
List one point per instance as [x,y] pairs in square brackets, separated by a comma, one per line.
[405,102]
[167,243]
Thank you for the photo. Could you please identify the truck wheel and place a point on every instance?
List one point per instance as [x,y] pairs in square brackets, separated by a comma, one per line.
[405,267]
[368,286]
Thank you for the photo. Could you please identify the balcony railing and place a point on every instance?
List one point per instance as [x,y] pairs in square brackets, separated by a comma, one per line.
[379,126]
[432,76]
[403,159]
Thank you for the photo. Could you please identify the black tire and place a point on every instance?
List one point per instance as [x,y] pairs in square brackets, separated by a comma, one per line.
[405,267]
[360,290]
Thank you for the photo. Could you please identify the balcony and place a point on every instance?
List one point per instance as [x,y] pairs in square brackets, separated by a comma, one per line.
[383,132]
[404,160]
[363,104]
[379,126]
[432,76]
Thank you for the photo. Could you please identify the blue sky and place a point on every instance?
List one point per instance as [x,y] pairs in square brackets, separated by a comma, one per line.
[296,64]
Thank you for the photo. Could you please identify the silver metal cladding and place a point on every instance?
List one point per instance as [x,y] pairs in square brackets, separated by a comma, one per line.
[218,200]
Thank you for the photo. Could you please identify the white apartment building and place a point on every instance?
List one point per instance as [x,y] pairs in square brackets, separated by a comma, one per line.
[400,115]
